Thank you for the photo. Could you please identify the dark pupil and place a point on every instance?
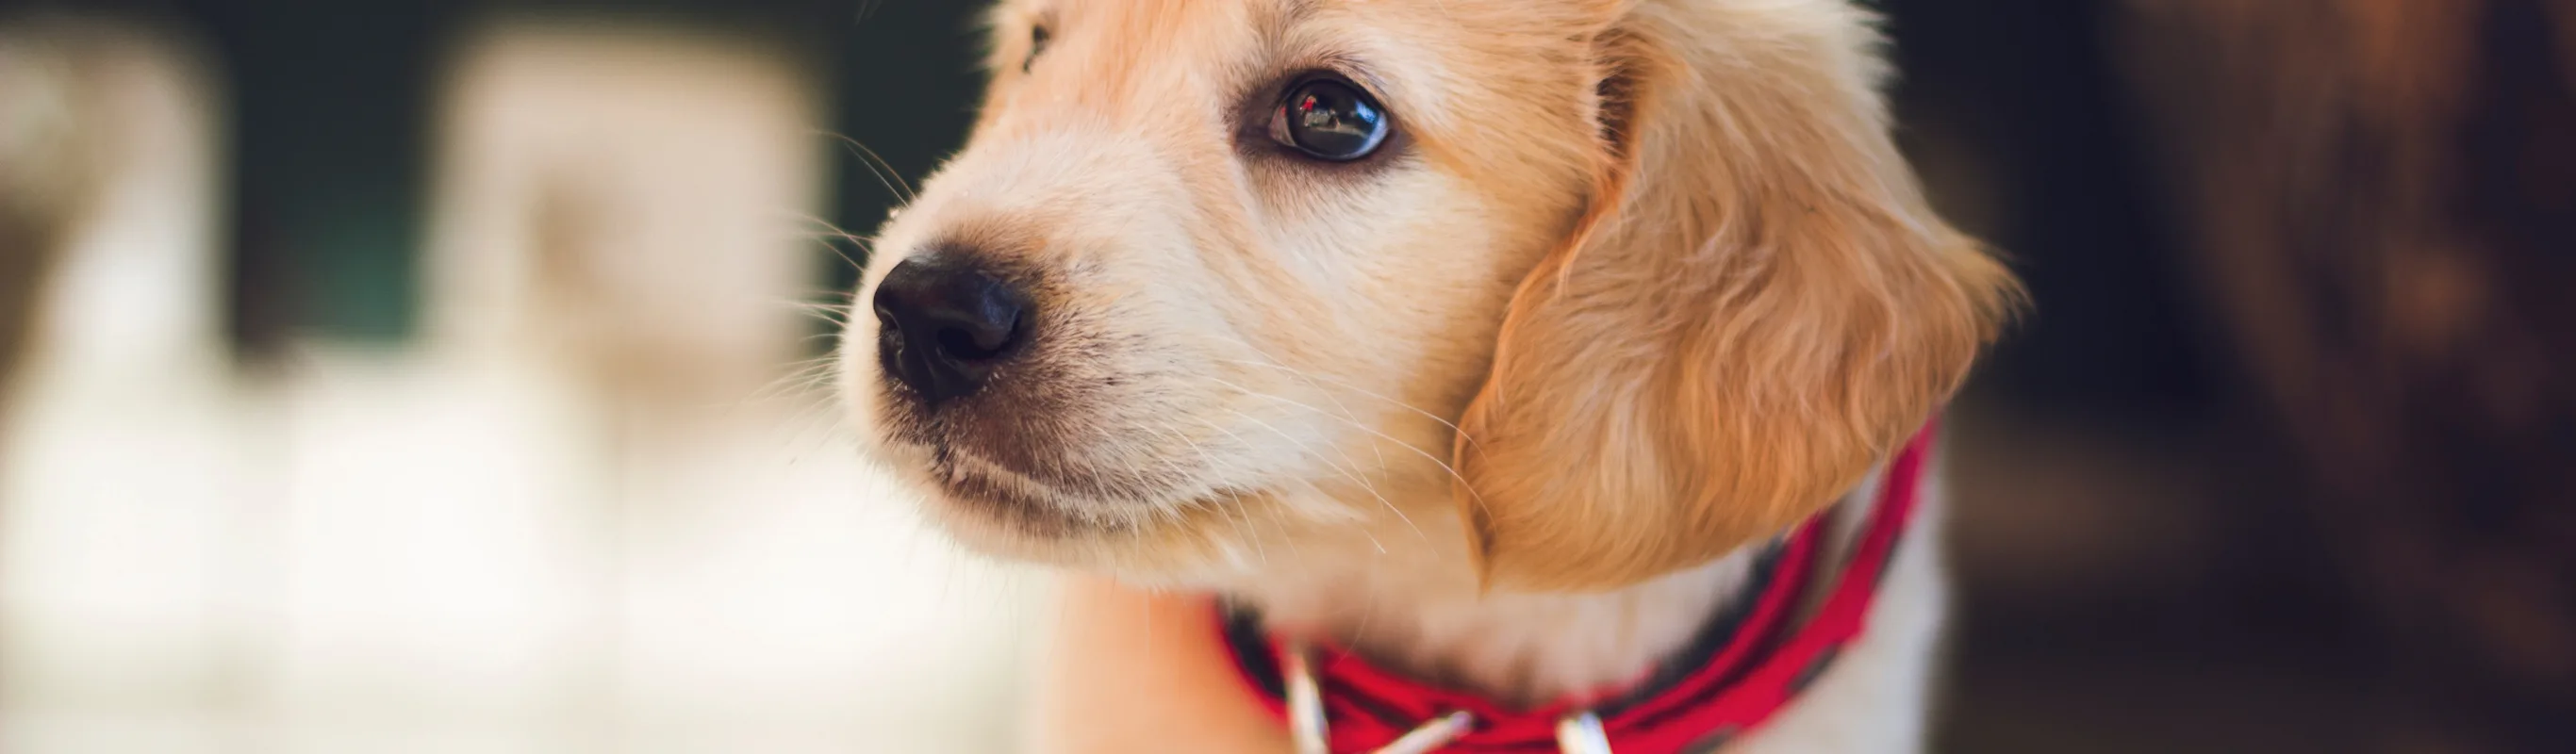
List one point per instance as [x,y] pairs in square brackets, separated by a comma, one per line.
[1332,120]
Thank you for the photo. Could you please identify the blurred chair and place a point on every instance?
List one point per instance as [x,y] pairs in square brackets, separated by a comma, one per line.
[48,173]
[123,560]
[78,97]
[624,220]
[570,519]
[628,205]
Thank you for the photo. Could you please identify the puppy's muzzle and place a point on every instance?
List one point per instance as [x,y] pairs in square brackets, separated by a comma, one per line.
[947,323]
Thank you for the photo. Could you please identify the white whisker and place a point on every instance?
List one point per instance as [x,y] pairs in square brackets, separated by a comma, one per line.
[1347,472]
[1302,374]
[887,177]
[1236,512]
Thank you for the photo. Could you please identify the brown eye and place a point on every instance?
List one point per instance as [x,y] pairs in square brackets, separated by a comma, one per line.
[1037,44]
[1329,119]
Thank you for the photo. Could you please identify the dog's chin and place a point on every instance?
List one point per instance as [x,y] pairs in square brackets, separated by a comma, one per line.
[993,511]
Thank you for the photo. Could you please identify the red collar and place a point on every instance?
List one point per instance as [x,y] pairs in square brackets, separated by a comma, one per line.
[1751,664]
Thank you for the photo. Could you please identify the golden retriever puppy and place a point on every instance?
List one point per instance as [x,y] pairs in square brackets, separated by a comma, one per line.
[1438,375]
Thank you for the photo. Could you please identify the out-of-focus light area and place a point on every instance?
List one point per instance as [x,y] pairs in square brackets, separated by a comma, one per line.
[531,453]
[442,377]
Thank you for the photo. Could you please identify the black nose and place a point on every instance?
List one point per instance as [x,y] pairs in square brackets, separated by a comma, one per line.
[944,325]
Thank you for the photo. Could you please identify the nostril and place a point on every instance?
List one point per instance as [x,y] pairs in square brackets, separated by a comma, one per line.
[982,344]
[946,324]
[988,327]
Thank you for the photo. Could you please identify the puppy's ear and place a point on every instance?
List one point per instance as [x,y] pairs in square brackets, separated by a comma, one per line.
[1756,309]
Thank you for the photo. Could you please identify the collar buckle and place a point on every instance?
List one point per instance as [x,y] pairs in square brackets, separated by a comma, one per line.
[1579,733]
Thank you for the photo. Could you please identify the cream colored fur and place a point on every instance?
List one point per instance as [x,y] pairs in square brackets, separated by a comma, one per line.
[1639,282]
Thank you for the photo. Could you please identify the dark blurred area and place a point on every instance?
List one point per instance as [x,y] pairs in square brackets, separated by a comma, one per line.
[2284,458]
[2301,265]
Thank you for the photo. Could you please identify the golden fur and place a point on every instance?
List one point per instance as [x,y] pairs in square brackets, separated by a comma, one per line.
[1757,309]
[1637,283]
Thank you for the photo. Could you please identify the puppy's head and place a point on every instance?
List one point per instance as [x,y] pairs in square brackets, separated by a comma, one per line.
[1628,283]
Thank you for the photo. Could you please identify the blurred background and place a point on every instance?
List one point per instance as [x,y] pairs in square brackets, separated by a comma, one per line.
[437,376]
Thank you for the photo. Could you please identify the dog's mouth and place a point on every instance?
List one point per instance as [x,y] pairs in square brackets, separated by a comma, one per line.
[1048,459]
[1022,501]
[1049,506]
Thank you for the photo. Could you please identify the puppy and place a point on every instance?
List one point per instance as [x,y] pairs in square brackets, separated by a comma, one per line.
[1438,375]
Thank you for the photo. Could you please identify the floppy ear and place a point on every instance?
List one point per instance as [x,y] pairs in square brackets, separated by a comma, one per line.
[1756,309]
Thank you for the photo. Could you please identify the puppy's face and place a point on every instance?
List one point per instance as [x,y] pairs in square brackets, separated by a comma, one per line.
[1633,282]
[1212,265]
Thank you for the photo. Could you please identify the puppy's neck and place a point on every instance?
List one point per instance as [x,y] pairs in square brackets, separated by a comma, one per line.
[1416,607]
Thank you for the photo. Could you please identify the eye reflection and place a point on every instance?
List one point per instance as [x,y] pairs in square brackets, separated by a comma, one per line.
[1329,119]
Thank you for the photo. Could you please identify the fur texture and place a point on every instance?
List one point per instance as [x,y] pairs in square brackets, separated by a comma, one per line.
[1635,283]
